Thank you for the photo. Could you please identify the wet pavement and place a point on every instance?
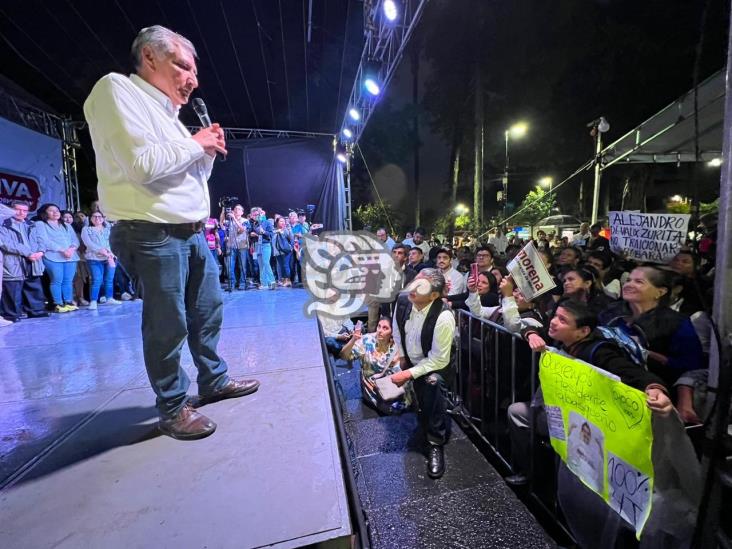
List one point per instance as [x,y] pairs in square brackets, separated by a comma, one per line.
[469,507]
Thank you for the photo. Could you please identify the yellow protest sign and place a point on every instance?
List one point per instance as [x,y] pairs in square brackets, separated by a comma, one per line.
[601,428]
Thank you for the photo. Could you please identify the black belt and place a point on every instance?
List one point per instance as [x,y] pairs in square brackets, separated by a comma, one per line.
[196,226]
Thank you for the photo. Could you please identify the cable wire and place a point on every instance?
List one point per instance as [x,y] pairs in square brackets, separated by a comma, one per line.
[579,170]
[284,59]
[127,18]
[305,55]
[210,60]
[94,34]
[264,62]
[378,194]
[238,64]
[343,61]
[32,65]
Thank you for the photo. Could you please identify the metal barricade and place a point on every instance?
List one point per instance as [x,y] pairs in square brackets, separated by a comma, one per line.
[496,368]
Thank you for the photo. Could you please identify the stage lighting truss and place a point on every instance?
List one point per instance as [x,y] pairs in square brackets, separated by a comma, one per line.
[64,129]
[343,152]
[385,40]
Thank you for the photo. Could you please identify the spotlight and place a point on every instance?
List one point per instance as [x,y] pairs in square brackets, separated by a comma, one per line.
[390,10]
[342,154]
[715,163]
[371,86]
[348,134]
[354,114]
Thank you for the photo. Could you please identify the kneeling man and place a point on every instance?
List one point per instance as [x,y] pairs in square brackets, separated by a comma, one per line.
[424,332]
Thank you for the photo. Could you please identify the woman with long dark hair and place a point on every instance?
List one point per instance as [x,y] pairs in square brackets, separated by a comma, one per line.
[379,356]
[580,283]
[102,262]
[282,251]
[59,244]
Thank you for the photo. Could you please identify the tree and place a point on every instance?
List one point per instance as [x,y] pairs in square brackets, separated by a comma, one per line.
[373,216]
[444,223]
[537,205]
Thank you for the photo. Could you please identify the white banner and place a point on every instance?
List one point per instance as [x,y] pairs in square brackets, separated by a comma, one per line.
[654,238]
[30,167]
[529,273]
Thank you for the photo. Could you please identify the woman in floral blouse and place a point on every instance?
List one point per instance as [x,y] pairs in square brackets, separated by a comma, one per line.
[378,355]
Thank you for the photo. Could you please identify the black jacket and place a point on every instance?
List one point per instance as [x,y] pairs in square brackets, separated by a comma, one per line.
[607,355]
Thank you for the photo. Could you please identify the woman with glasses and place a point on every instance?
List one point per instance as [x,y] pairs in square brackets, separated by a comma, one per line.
[102,262]
[59,244]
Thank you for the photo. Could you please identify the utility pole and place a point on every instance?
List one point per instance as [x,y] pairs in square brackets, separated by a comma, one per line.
[479,121]
[453,193]
[415,127]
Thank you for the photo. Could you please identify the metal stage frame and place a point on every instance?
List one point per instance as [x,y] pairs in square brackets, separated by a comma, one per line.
[62,128]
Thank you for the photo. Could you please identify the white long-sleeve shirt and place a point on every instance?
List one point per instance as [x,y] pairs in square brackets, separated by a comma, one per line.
[148,165]
[439,355]
[510,315]
[458,283]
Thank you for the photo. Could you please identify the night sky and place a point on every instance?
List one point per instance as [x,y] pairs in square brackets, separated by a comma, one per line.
[557,65]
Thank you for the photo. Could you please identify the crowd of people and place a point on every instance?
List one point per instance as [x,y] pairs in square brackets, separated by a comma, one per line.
[59,261]
[648,324]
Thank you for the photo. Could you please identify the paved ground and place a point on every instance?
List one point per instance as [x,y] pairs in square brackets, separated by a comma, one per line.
[470,507]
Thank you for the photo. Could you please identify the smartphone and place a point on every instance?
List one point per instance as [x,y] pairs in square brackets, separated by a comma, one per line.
[359,326]
[474,271]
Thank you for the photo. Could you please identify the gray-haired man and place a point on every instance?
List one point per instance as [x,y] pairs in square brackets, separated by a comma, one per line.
[424,328]
[153,181]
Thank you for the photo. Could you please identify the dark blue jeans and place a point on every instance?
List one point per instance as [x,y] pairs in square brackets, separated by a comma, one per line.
[283,265]
[182,301]
[241,257]
[102,273]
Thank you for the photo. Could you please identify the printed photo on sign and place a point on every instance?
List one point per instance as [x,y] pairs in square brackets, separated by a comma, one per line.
[556,422]
[629,490]
[586,451]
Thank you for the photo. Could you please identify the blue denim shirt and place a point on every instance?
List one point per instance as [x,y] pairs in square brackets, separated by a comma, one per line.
[54,240]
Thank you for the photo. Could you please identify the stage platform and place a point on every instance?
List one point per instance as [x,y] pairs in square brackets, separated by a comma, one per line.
[83,465]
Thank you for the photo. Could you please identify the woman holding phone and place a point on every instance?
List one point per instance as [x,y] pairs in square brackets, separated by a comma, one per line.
[379,357]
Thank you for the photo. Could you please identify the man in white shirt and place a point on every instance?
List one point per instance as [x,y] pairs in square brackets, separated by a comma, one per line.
[153,181]
[582,238]
[418,241]
[384,237]
[457,283]
[424,329]
[499,242]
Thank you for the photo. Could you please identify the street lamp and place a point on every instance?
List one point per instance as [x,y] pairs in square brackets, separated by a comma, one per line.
[516,131]
[547,182]
[461,209]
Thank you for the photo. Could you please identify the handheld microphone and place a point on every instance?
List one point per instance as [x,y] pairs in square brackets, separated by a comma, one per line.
[200,109]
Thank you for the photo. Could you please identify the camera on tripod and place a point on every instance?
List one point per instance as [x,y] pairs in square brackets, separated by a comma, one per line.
[228,202]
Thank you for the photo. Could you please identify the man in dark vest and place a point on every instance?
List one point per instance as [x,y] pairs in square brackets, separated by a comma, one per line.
[425,328]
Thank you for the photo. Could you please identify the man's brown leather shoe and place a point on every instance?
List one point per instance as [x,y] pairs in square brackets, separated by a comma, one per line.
[188,424]
[232,389]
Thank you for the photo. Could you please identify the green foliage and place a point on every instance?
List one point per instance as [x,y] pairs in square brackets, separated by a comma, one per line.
[376,215]
[686,207]
[709,207]
[678,207]
[442,224]
[538,204]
